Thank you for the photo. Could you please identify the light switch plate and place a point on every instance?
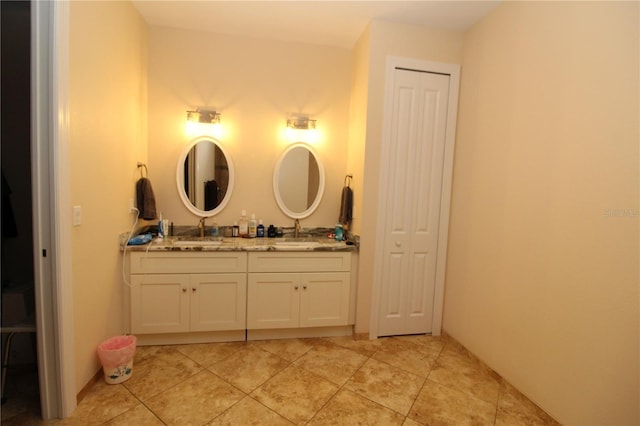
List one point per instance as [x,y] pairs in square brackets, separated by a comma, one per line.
[77,215]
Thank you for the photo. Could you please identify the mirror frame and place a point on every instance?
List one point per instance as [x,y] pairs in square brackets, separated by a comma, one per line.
[180,178]
[276,176]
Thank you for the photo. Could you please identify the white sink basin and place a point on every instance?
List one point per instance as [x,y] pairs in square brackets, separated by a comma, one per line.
[297,244]
[197,243]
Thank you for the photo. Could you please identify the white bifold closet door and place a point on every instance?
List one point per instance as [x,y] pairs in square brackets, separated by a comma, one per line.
[415,170]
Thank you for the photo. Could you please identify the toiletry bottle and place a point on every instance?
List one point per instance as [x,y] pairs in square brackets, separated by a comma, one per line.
[243,225]
[214,229]
[339,232]
[260,229]
[165,228]
[271,232]
[253,226]
[160,231]
[236,230]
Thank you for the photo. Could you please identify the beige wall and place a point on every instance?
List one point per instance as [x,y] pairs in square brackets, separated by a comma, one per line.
[358,124]
[107,103]
[542,284]
[255,84]
[388,39]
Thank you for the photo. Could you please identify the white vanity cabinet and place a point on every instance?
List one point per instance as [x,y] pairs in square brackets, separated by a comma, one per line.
[298,289]
[179,292]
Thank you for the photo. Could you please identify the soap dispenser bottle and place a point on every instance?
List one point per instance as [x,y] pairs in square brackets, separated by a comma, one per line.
[243,225]
[253,226]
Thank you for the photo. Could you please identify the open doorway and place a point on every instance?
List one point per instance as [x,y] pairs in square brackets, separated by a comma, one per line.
[20,380]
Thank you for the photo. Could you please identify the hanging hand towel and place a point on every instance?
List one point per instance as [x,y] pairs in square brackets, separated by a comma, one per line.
[145,199]
[346,207]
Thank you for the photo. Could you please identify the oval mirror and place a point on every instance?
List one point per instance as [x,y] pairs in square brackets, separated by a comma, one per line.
[298,181]
[205,177]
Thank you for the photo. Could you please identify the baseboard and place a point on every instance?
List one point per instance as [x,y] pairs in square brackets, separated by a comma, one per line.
[90,384]
[361,336]
[460,348]
[304,332]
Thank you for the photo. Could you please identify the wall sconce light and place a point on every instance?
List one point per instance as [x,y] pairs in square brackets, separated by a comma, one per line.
[301,129]
[203,122]
[300,123]
[207,117]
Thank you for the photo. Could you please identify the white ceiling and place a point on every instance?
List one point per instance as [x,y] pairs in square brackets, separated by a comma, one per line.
[326,22]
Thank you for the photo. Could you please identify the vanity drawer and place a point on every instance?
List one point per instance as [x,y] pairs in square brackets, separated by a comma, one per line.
[300,262]
[191,262]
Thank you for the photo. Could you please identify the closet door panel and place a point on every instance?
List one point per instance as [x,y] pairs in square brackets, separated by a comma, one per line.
[415,167]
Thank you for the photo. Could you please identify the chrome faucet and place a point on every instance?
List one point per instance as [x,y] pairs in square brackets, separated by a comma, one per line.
[296,229]
[201,226]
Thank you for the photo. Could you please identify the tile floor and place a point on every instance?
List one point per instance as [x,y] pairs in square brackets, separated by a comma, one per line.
[408,380]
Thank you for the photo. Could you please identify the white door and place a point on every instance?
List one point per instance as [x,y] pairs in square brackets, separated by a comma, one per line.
[416,148]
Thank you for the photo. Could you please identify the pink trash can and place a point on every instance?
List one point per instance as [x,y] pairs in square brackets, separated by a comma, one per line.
[116,355]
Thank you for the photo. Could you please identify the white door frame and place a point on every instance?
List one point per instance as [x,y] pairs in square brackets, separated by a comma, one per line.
[453,71]
[51,215]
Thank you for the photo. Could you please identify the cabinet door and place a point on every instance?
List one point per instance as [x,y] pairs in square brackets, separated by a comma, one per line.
[273,300]
[324,299]
[218,302]
[159,303]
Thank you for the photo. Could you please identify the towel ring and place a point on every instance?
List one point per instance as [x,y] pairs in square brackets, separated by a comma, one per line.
[146,172]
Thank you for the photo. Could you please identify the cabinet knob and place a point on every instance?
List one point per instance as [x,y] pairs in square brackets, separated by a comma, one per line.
[398,243]
[184,290]
[304,287]
[296,287]
[193,289]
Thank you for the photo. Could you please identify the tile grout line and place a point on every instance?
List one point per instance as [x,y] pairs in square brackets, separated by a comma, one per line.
[201,366]
[476,362]
[371,357]
[411,372]
[141,402]
[425,351]
[292,363]
[248,395]
[424,383]
[341,387]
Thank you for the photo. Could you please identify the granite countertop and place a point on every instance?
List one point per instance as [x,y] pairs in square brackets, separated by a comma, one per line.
[243,244]
[186,239]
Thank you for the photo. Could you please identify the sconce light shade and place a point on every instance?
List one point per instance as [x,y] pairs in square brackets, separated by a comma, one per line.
[203,116]
[203,122]
[301,129]
[301,123]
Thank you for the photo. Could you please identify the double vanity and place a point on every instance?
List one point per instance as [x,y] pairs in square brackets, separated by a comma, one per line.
[233,289]
[187,289]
